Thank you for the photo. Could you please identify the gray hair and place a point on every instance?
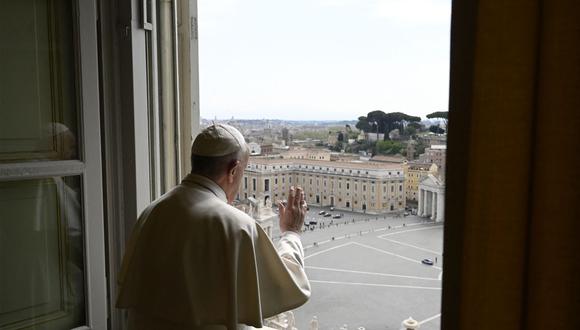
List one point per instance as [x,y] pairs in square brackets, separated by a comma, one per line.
[214,167]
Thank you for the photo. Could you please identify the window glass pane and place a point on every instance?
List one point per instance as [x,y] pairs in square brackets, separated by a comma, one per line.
[38,103]
[41,254]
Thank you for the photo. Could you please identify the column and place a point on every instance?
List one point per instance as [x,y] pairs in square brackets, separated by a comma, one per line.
[440,207]
[424,207]
[421,201]
[429,202]
[425,203]
[433,205]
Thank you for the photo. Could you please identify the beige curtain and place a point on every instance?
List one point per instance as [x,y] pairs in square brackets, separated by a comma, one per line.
[512,231]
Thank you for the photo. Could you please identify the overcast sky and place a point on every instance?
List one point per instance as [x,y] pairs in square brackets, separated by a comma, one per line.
[322,59]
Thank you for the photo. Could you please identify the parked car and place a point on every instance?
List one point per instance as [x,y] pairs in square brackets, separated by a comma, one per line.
[337,216]
[313,222]
[326,215]
[427,262]
[332,208]
[322,213]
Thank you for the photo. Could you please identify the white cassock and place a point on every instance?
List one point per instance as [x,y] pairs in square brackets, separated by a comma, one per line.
[196,262]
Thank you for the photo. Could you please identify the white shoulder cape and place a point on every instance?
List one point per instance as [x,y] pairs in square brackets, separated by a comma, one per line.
[195,261]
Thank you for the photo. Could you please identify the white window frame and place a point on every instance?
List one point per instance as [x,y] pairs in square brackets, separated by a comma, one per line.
[128,134]
[88,168]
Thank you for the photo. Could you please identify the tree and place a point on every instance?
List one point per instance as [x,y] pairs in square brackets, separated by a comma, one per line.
[439,115]
[402,120]
[411,130]
[377,120]
[436,129]
[363,124]
[367,146]
[416,125]
[337,146]
[388,147]
[420,147]
[381,122]
[352,135]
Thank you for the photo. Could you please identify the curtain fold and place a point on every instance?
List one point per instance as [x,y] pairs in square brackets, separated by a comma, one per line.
[514,121]
[553,273]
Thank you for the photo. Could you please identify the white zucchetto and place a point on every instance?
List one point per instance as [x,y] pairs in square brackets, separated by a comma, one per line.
[218,140]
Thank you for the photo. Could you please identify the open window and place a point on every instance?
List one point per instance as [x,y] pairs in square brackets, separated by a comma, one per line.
[295,78]
[52,240]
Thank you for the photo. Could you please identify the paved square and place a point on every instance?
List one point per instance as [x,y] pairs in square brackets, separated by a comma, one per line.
[370,275]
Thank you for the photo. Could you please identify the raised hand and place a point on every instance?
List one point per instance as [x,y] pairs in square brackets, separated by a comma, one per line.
[292,214]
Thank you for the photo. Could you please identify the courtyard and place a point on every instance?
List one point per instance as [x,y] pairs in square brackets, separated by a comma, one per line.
[366,271]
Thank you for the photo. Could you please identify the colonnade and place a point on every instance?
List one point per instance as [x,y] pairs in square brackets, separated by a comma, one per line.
[431,203]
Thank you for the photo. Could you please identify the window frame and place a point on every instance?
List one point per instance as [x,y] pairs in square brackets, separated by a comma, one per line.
[88,167]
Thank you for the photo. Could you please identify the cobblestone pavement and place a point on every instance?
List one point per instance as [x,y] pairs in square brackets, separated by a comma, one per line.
[366,271]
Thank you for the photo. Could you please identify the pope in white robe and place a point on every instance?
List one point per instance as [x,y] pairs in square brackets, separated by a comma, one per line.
[196,262]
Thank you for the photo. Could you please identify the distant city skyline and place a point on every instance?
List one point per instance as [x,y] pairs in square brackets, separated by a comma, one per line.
[323,59]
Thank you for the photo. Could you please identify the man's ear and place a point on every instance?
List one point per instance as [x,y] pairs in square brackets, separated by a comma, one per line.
[232,170]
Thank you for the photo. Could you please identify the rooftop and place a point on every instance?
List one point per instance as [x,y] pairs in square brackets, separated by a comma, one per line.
[439,147]
[323,163]
[391,159]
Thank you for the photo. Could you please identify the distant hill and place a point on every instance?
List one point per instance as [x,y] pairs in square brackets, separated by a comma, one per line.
[281,122]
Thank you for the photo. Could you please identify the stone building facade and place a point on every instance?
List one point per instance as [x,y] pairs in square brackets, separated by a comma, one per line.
[307,153]
[436,154]
[434,139]
[255,148]
[361,187]
[414,173]
[432,198]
